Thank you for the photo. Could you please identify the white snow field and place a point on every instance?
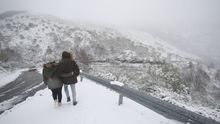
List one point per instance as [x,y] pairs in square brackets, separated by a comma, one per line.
[96,105]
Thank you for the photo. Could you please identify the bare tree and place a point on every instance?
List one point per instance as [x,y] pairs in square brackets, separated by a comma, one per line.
[83,57]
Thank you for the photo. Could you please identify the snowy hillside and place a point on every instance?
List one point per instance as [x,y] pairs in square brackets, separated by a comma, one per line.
[97,105]
[140,60]
[29,37]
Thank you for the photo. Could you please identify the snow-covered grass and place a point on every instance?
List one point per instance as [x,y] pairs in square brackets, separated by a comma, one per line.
[117,83]
[186,103]
[96,105]
[7,77]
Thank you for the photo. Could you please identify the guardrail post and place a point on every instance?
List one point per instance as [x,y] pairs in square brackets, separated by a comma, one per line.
[120,101]
[81,78]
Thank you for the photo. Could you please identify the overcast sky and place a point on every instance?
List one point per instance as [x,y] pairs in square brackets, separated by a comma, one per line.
[161,13]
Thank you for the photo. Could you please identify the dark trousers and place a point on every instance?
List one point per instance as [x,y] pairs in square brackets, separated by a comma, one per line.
[57,93]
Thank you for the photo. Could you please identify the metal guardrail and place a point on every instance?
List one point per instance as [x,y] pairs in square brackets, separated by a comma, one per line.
[162,107]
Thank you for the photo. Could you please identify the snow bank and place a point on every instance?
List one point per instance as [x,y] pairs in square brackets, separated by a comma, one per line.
[7,77]
[96,105]
[117,83]
[8,103]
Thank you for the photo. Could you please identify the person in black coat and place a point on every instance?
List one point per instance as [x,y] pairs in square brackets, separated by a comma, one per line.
[69,71]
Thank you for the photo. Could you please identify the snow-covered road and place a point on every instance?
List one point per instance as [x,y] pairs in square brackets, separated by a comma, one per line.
[16,91]
[97,105]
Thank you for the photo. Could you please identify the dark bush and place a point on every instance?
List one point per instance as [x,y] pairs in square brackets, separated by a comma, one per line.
[21,36]
[3,57]
[31,25]
[8,55]
[217,75]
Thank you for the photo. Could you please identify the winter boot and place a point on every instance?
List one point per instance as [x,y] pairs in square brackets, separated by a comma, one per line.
[68,99]
[55,103]
[74,103]
[59,104]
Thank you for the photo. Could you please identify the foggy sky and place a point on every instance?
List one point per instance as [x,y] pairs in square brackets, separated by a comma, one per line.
[139,13]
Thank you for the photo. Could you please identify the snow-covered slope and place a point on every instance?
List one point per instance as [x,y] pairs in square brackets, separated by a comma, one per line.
[97,105]
[30,37]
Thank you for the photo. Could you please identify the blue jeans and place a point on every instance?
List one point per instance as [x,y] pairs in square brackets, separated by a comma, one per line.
[73,89]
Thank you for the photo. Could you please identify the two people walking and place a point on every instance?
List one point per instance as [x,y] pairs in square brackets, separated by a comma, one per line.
[57,75]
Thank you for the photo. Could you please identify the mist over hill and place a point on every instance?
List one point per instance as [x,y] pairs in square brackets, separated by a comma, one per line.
[201,40]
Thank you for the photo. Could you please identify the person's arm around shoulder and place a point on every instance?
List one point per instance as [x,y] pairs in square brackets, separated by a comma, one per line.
[59,69]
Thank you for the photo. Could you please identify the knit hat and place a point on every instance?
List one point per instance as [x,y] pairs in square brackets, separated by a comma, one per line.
[66,55]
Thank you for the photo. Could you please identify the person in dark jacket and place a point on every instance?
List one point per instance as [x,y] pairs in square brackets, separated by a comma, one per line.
[52,81]
[69,71]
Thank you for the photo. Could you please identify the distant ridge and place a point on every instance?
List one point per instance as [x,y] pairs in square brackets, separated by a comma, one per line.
[10,13]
